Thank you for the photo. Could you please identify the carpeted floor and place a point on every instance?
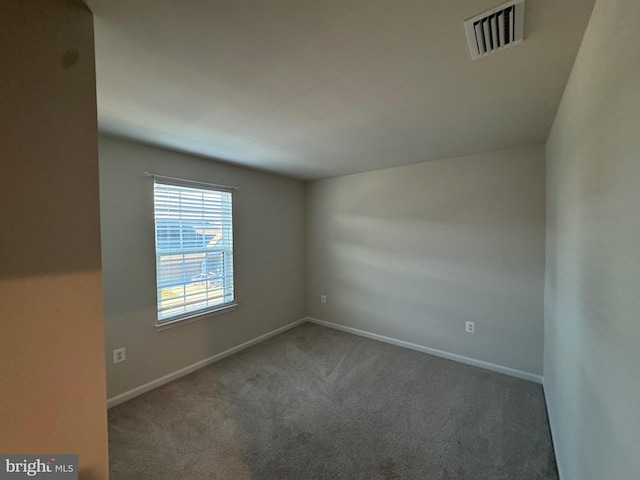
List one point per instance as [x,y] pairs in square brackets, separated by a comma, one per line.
[315,403]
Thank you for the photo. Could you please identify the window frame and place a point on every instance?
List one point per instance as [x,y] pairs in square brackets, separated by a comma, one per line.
[227,234]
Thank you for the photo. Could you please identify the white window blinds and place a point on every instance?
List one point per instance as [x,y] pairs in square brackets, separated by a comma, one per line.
[194,250]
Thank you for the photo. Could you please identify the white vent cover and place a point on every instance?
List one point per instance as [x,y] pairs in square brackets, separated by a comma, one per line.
[496,29]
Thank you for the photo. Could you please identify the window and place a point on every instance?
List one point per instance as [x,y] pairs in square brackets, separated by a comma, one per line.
[194,249]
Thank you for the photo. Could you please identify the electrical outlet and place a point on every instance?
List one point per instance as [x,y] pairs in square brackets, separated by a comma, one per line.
[323,299]
[119,355]
[470,327]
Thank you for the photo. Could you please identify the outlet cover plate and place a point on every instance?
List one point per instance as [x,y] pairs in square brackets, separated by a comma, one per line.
[119,355]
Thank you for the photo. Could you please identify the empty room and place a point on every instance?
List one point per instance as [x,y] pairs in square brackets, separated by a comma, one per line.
[355,239]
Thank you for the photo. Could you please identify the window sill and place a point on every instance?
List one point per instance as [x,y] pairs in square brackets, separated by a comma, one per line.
[197,316]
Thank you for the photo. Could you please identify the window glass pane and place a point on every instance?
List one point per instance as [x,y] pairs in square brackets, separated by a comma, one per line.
[194,250]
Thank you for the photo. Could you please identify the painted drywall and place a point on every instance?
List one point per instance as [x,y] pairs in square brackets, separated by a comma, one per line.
[414,252]
[318,89]
[52,378]
[592,305]
[269,261]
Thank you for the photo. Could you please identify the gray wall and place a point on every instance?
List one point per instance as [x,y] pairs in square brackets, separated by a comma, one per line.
[52,382]
[413,252]
[269,261]
[592,296]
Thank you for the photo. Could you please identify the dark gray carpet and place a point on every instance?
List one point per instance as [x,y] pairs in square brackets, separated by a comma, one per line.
[315,403]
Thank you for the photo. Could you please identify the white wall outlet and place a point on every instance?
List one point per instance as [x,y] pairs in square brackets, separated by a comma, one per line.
[470,327]
[119,355]
[323,299]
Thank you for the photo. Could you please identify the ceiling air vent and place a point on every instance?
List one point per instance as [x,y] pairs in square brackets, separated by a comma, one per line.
[496,29]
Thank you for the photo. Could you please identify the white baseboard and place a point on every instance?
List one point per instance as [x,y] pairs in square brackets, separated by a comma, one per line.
[134,392]
[553,440]
[432,351]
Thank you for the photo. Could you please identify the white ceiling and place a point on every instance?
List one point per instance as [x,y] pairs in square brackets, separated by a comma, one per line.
[314,89]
